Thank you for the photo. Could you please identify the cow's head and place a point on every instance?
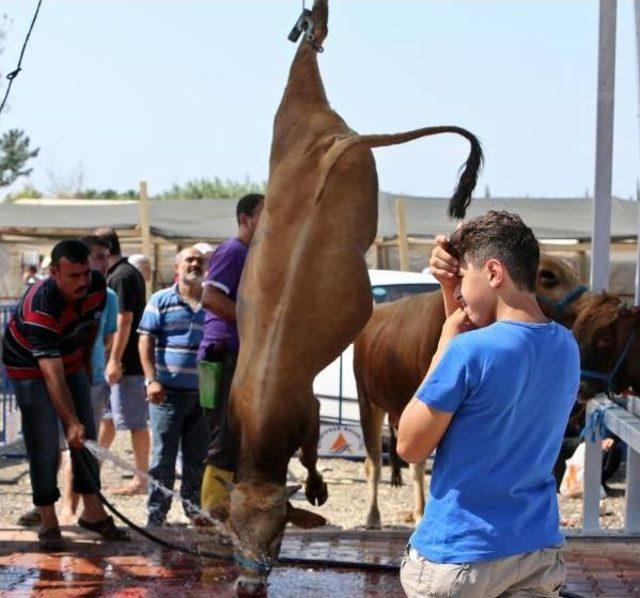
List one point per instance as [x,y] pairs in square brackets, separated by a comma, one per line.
[555,278]
[257,515]
[608,333]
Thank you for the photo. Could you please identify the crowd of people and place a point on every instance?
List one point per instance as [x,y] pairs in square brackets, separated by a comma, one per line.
[86,349]
[90,356]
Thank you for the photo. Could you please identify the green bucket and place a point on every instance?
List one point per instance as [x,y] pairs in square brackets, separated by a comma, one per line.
[210,374]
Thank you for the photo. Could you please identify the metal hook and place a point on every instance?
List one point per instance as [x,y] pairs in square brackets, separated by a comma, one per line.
[304,24]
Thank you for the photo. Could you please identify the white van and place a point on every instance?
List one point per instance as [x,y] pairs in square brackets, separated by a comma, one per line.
[335,386]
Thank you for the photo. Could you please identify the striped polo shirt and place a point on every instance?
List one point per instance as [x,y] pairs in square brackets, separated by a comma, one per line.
[177,330]
[44,325]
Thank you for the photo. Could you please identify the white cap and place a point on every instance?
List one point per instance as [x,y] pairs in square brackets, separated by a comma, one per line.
[204,248]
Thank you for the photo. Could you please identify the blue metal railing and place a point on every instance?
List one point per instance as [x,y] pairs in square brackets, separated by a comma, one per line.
[7,396]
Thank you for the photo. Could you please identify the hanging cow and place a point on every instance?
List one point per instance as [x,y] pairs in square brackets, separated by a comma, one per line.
[305,294]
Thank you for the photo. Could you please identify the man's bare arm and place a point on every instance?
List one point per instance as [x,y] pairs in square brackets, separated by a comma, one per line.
[121,335]
[444,268]
[53,372]
[217,302]
[420,431]
[147,349]
[421,427]
[108,343]
[120,339]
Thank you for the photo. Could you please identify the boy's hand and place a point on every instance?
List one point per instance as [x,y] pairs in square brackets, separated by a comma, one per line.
[443,265]
[457,323]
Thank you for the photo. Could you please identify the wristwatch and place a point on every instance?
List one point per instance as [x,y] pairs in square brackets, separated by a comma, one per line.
[149,380]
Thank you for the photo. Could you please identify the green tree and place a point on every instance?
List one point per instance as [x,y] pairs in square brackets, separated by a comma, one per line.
[15,152]
[106,194]
[215,188]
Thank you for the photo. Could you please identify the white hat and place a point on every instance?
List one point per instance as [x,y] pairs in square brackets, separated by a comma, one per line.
[204,248]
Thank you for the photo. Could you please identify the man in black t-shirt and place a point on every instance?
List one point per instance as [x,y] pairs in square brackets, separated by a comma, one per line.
[129,407]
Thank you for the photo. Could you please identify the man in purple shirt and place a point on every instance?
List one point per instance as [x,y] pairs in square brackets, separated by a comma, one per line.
[220,344]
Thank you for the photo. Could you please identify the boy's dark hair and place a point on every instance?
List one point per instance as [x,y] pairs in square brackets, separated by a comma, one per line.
[91,241]
[72,249]
[110,239]
[247,205]
[502,236]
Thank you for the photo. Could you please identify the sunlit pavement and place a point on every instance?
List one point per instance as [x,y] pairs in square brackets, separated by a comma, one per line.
[140,568]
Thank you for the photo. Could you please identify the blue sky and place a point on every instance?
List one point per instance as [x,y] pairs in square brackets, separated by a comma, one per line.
[167,91]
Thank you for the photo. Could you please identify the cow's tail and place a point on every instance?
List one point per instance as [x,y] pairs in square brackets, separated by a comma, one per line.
[470,171]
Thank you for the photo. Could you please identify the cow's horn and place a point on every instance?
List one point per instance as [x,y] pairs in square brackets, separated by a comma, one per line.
[289,491]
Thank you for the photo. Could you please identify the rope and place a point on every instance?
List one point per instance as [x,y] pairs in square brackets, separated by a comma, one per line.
[13,74]
[560,306]
[595,426]
[609,378]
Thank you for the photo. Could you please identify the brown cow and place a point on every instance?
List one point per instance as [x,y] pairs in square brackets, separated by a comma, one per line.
[392,355]
[608,334]
[304,294]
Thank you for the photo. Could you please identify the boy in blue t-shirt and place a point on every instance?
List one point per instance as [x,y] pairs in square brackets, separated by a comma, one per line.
[495,403]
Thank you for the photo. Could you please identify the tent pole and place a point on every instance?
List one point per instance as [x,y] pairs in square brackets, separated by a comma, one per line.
[145,231]
[604,147]
[403,244]
[636,5]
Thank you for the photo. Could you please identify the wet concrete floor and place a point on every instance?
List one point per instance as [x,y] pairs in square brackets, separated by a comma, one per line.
[141,569]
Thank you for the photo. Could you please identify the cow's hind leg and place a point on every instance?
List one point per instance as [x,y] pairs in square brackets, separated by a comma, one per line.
[417,474]
[315,487]
[372,418]
[394,460]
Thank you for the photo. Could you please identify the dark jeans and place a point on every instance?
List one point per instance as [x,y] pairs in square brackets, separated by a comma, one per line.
[41,431]
[179,419]
[223,448]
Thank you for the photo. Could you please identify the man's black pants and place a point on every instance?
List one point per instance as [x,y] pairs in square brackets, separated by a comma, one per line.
[223,448]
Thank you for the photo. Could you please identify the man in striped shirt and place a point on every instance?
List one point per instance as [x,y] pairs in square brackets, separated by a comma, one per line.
[47,354]
[170,334]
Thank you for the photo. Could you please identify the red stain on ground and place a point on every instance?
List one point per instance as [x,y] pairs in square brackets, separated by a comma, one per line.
[140,569]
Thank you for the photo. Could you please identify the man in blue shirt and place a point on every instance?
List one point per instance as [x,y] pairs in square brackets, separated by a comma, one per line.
[495,403]
[170,334]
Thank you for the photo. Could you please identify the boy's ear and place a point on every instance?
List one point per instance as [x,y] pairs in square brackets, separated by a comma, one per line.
[495,271]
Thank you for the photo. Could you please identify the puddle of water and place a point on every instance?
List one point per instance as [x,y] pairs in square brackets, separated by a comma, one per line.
[137,576]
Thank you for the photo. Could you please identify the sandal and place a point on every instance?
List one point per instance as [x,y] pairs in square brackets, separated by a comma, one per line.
[105,528]
[51,540]
[30,518]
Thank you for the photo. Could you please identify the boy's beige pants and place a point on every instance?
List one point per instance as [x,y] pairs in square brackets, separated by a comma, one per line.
[533,574]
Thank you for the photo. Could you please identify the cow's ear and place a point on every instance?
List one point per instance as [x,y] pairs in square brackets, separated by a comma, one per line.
[305,519]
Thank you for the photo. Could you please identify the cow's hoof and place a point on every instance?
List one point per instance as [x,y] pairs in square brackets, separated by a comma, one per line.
[396,479]
[317,493]
[373,520]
